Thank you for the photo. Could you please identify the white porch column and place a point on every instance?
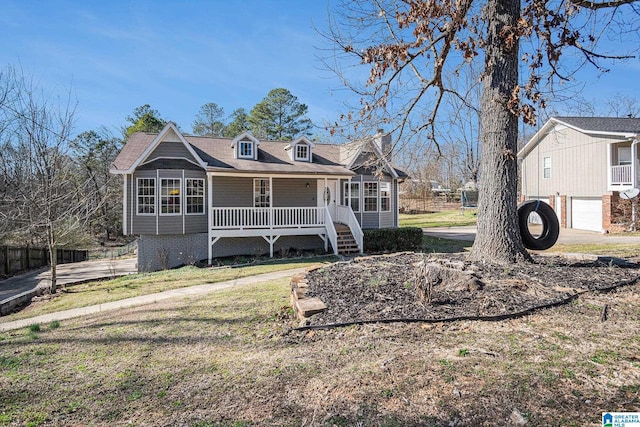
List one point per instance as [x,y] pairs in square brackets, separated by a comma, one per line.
[609,165]
[125,218]
[209,207]
[634,163]
[271,207]
[349,193]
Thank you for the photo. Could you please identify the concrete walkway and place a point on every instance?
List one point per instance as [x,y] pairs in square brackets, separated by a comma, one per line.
[148,299]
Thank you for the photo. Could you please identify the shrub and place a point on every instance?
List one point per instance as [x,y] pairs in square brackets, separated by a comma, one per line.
[392,239]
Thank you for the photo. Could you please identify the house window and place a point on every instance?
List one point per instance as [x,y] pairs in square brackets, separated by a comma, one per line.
[546,167]
[370,194]
[354,195]
[146,196]
[245,149]
[624,156]
[170,196]
[385,196]
[261,193]
[195,196]
[302,152]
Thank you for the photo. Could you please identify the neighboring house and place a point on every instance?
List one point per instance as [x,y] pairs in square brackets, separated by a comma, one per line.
[191,198]
[579,165]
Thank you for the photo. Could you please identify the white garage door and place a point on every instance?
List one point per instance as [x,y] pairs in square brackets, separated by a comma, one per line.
[586,214]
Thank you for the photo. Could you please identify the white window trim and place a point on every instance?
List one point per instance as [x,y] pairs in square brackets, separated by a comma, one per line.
[630,157]
[186,197]
[301,158]
[251,144]
[181,204]
[385,197]
[155,197]
[348,197]
[256,182]
[365,197]
[545,167]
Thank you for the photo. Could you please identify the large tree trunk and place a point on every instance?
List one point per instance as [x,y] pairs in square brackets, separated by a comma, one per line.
[498,237]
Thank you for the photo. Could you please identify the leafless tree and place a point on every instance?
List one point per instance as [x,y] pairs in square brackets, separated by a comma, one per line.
[409,47]
[44,198]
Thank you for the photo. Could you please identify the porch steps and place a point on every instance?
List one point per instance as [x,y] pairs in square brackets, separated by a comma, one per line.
[347,244]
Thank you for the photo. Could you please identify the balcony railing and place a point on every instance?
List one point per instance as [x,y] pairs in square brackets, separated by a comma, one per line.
[257,218]
[621,175]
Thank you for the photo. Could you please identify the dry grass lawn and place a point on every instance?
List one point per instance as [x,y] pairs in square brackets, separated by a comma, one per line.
[229,359]
[455,218]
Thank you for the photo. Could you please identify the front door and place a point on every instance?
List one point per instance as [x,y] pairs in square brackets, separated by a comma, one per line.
[328,194]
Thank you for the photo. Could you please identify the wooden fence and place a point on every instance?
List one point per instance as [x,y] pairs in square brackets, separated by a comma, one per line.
[14,260]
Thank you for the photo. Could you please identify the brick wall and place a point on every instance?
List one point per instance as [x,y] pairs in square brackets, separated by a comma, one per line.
[168,251]
[617,216]
[171,250]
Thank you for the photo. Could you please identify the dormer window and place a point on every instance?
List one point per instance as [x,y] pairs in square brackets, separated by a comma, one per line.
[245,150]
[245,146]
[302,152]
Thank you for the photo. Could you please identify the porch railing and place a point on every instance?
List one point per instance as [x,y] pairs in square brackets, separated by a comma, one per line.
[255,218]
[346,216]
[621,175]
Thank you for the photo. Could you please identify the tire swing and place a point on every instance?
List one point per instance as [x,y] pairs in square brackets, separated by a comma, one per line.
[550,225]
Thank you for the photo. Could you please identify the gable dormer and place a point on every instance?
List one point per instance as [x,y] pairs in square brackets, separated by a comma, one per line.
[300,150]
[245,146]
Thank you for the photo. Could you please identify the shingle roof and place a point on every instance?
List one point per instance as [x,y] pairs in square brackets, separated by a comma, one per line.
[603,124]
[272,157]
[217,154]
[133,149]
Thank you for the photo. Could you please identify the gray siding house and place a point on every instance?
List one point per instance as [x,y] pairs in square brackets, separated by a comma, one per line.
[579,165]
[191,198]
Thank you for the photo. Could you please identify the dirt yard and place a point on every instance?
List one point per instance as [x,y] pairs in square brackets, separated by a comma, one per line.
[412,286]
[234,358]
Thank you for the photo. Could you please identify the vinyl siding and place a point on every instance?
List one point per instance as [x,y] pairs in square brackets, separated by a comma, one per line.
[170,224]
[377,219]
[232,192]
[578,165]
[195,223]
[294,193]
[165,224]
[171,150]
[142,224]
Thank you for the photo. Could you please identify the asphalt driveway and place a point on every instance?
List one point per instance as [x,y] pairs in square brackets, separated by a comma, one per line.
[567,235]
[33,281]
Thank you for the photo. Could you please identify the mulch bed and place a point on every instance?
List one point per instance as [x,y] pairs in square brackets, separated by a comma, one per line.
[387,287]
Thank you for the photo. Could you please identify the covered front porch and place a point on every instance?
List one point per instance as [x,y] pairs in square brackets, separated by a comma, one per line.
[279,210]
[623,161]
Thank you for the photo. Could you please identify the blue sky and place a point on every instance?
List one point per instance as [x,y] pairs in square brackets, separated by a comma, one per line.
[178,55]
[175,56]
